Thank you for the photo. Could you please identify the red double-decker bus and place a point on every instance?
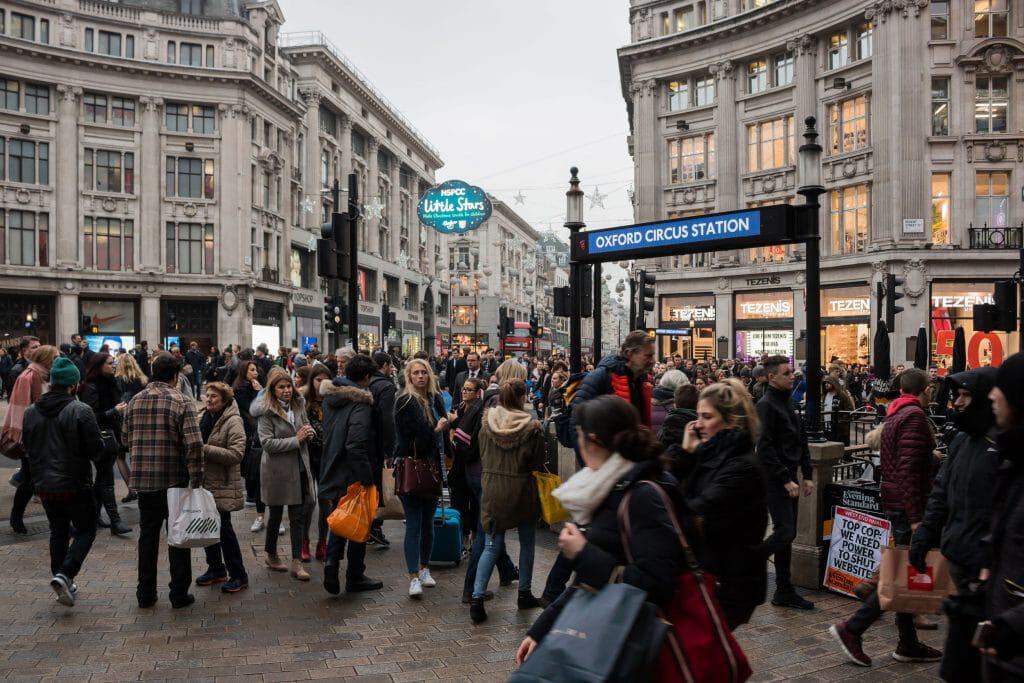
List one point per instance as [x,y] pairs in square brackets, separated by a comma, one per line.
[521,342]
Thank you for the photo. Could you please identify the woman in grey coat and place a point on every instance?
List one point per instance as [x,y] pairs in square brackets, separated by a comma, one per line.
[285,478]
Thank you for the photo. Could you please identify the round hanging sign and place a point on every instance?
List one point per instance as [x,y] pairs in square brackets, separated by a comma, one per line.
[454,207]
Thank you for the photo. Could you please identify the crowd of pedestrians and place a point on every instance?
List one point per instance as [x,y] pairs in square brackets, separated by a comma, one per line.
[718,448]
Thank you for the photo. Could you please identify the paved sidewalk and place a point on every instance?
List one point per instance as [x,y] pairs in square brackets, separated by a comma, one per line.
[283,630]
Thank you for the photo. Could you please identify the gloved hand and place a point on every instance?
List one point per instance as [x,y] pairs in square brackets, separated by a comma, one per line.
[919,556]
[365,477]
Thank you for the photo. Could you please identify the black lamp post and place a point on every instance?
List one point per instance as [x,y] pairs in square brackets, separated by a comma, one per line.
[574,221]
[808,224]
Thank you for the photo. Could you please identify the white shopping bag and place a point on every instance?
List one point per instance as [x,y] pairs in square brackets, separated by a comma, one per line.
[192,518]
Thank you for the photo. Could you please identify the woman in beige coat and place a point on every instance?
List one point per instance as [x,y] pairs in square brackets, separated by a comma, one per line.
[223,449]
[285,478]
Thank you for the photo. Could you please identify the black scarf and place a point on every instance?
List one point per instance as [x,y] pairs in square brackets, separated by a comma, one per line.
[207,423]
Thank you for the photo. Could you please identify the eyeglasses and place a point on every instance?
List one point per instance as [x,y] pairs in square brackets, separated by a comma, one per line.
[468,389]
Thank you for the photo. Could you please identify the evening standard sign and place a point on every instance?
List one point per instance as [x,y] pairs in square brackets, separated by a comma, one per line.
[757,227]
[855,550]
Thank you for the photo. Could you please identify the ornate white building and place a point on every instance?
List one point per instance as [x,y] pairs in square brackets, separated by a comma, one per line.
[919,108]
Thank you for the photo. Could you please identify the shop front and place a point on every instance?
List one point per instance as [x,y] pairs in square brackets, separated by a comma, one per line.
[306,327]
[22,314]
[764,324]
[369,326]
[183,321]
[113,323]
[266,324]
[687,326]
[951,307]
[473,342]
[846,324]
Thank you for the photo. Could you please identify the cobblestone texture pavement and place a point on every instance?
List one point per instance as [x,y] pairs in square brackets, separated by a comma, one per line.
[283,630]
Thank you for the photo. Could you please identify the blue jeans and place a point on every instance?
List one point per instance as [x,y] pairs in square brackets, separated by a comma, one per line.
[419,530]
[506,569]
[494,547]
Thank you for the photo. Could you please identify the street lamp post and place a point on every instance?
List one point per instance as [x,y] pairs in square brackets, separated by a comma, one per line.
[808,223]
[574,221]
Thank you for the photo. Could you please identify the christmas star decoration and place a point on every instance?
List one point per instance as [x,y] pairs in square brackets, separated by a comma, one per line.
[403,260]
[597,198]
[520,197]
[308,203]
[374,209]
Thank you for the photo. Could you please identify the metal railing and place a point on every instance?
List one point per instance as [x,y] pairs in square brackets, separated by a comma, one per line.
[317,38]
[269,275]
[985,237]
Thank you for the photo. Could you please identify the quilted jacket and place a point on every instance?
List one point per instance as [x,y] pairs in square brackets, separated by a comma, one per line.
[908,466]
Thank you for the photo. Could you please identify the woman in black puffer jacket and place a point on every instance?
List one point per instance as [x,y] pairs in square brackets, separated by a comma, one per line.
[100,392]
[725,490]
[618,453]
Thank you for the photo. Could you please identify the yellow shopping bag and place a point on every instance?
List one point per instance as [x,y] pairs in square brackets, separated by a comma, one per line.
[550,509]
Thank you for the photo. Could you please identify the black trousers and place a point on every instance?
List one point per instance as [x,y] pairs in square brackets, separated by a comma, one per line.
[23,494]
[871,611]
[152,516]
[558,578]
[77,513]
[227,552]
[296,524]
[336,549]
[961,661]
[783,510]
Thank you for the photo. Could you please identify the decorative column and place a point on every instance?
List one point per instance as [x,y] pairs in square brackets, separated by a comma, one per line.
[395,210]
[312,183]
[804,50]
[727,185]
[150,233]
[646,159]
[345,147]
[232,229]
[66,223]
[901,187]
[372,183]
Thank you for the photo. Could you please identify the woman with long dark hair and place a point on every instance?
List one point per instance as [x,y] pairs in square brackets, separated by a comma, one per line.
[101,393]
[246,387]
[308,379]
[619,454]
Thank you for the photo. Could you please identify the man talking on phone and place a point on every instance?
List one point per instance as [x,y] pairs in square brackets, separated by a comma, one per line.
[782,447]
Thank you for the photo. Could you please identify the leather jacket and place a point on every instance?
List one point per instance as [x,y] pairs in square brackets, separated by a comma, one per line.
[62,440]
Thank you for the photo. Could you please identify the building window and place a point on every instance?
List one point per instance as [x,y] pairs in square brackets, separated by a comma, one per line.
[23,26]
[108,171]
[129,47]
[850,219]
[89,40]
[44,31]
[838,50]
[109,43]
[190,248]
[204,119]
[26,161]
[193,7]
[940,105]
[757,76]
[705,91]
[991,198]
[176,118]
[776,253]
[691,158]
[122,112]
[37,99]
[10,94]
[27,238]
[684,19]
[678,95]
[848,125]
[172,52]
[190,54]
[783,67]
[991,100]
[771,144]
[991,18]
[940,208]
[108,243]
[209,56]
[940,19]
[189,178]
[865,33]
[463,315]
[95,107]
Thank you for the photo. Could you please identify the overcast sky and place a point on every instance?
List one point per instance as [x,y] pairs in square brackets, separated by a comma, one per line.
[511,93]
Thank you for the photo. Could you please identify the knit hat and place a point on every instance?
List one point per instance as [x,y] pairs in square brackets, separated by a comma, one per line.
[1010,381]
[64,373]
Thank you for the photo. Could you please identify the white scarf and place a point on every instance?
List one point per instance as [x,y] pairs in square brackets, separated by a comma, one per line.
[584,491]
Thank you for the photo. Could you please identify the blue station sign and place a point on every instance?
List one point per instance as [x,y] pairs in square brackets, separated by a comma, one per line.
[454,206]
[759,227]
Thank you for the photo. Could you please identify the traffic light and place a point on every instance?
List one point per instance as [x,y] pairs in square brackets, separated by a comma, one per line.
[334,313]
[326,259]
[587,291]
[335,248]
[1005,298]
[385,319]
[563,302]
[645,294]
[984,317]
[534,328]
[892,295]
[506,323]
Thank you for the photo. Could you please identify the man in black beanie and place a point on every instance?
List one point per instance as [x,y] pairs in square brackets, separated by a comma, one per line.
[1003,638]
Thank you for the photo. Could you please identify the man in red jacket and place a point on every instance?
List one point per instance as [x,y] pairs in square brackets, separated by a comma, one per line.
[908,467]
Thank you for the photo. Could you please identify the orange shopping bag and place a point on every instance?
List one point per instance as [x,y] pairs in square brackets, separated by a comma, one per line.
[354,514]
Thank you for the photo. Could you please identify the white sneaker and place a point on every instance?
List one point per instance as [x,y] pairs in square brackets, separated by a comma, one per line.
[415,588]
[62,587]
[257,525]
[426,579]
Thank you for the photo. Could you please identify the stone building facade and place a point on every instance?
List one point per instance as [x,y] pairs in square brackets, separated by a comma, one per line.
[152,172]
[918,107]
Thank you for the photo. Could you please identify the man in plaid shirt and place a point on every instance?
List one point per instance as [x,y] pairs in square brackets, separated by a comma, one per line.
[162,433]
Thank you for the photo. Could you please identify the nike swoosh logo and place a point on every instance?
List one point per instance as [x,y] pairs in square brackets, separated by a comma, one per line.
[100,319]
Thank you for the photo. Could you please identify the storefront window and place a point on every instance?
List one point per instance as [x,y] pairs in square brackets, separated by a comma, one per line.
[951,307]
[682,309]
[411,345]
[473,342]
[369,338]
[463,315]
[764,324]
[764,306]
[755,343]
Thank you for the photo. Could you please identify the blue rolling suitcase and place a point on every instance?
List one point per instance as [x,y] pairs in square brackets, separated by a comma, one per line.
[447,542]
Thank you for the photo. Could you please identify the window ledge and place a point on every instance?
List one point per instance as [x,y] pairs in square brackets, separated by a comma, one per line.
[840,70]
[29,115]
[110,126]
[768,91]
[790,168]
[208,136]
[942,138]
[689,110]
[843,156]
[190,200]
[26,186]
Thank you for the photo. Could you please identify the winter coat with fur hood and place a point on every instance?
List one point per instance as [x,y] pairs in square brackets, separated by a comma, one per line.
[347,436]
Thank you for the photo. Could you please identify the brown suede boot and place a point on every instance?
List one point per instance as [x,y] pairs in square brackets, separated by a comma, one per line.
[275,564]
[298,571]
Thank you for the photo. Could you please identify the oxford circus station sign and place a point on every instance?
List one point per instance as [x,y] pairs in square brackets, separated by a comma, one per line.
[454,206]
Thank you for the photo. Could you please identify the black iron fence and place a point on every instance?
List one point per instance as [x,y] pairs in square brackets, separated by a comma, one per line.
[985,237]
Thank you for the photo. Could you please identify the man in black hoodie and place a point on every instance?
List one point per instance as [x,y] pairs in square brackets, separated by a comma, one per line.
[62,440]
[383,388]
[1003,642]
[782,448]
[346,460]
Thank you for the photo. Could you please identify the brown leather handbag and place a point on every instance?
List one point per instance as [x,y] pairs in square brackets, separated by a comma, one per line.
[416,476]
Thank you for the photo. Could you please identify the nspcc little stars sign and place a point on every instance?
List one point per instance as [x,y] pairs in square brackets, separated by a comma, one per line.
[454,206]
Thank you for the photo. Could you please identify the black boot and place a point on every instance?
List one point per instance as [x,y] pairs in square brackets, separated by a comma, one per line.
[332,584]
[476,610]
[527,600]
[110,504]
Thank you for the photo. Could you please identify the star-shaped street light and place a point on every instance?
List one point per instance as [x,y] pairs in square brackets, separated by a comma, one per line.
[597,198]
[520,198]
[374,209]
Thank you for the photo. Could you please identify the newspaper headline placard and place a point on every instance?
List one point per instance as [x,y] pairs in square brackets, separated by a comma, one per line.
[855,550]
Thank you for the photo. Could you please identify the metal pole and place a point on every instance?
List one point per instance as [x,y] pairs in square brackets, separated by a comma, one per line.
[574,197]
[1020,299]
[809,212]
[632,302]
[597,312]
[353,282]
